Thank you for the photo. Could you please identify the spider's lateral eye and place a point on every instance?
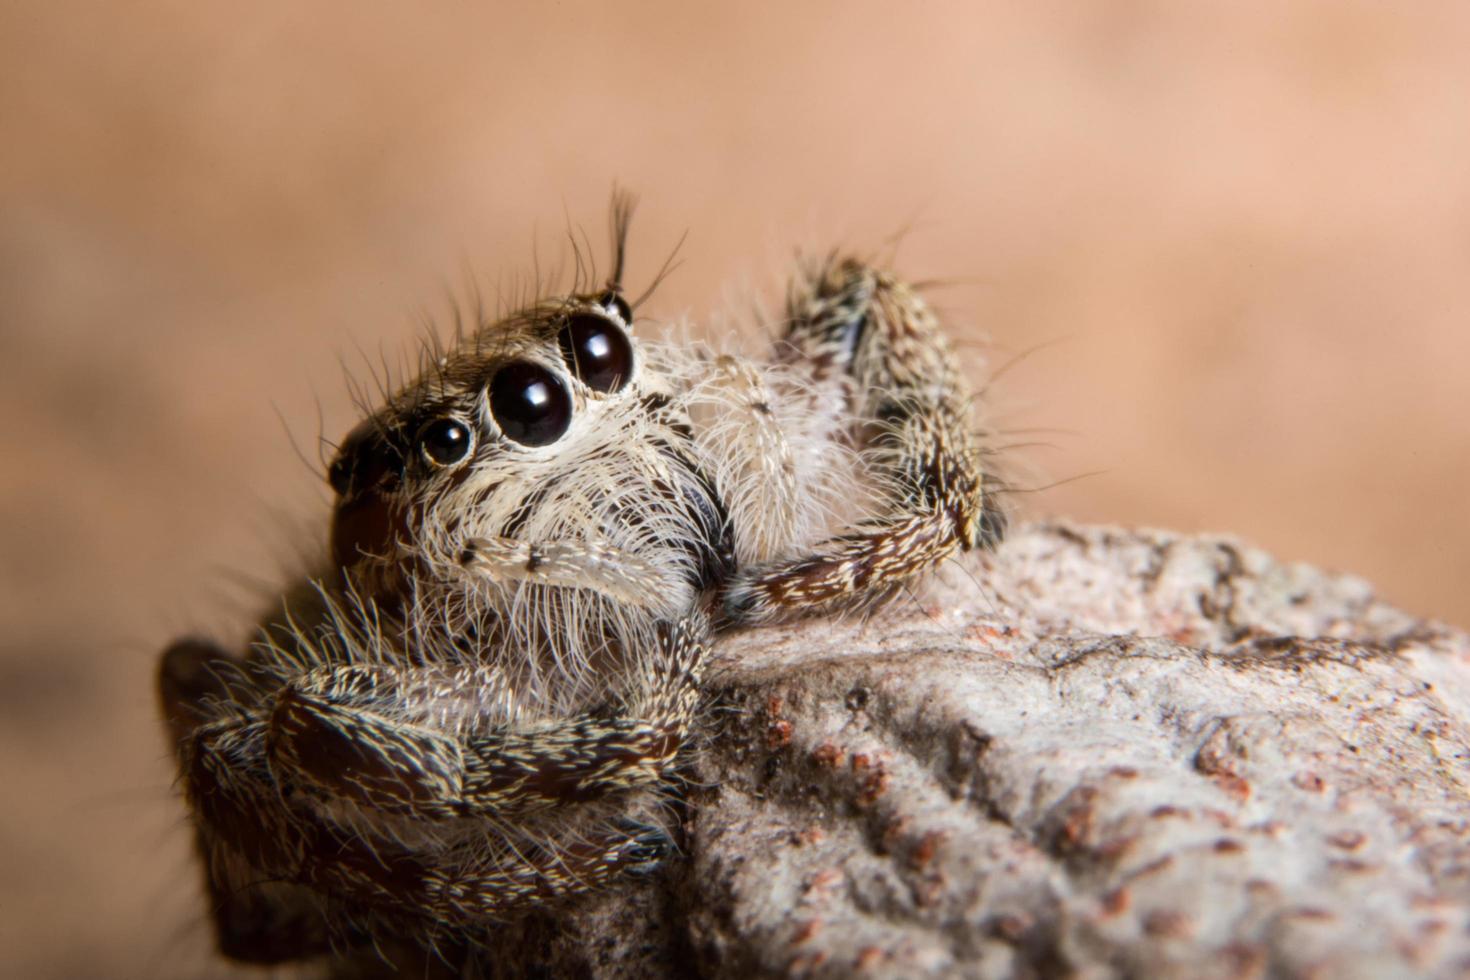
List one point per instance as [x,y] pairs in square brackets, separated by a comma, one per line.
[339,475]
[365,459]
[530,404]
[446,441]
[597,350]
[613,301]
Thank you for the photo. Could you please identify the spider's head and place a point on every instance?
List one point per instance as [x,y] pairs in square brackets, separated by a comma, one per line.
[546,454]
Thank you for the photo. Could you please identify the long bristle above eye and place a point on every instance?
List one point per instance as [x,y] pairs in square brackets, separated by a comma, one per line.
[623,205]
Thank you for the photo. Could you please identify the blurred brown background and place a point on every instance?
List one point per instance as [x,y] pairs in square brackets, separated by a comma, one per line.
[1239,233]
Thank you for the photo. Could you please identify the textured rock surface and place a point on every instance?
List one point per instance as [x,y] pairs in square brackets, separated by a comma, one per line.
[1103,753]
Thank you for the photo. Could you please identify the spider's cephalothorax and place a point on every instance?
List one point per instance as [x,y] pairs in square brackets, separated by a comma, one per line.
[475,707]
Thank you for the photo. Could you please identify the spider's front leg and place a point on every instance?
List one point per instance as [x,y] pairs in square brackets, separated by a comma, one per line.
[848,320]
[267,785]
[389,739]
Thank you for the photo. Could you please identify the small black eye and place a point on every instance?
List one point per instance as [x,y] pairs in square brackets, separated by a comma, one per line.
[445,441]
[597,350]
[530,404]
[365,461]
[339,475]
[613,301]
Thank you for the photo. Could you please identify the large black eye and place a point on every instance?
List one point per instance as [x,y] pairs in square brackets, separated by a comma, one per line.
[446,441]
[530,404]
[597,350]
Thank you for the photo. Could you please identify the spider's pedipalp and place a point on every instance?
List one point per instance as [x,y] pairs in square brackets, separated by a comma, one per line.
[593,565]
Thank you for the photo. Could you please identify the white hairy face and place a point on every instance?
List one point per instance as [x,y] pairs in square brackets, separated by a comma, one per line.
[553,487]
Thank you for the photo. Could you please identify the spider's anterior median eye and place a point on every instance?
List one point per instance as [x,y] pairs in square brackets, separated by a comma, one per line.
[598,351]
[446,441]
[530,404]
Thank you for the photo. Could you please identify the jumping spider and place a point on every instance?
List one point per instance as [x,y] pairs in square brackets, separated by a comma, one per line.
[475,707]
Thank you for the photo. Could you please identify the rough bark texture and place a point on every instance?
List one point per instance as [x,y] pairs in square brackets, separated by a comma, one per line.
[1103,753]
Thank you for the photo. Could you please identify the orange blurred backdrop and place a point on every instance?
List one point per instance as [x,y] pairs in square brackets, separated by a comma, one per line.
[1234,237]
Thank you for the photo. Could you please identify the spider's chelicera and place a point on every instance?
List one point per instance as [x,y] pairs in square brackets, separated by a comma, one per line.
[474,707]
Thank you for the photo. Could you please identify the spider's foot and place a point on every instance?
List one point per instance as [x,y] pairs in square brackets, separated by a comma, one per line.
[647,847]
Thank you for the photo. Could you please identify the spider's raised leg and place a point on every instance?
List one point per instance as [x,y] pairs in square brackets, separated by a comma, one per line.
[912,408]
[401,739]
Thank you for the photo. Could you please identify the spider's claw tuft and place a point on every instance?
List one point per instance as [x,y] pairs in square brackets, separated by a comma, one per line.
[647,847]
